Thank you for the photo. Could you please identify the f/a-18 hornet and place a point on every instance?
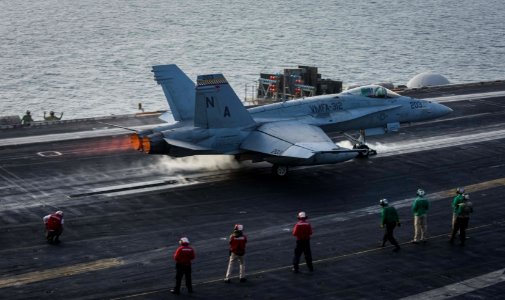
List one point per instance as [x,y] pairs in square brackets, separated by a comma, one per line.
[209,118]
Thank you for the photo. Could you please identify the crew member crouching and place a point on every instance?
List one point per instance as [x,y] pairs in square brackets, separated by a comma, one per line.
[54,227]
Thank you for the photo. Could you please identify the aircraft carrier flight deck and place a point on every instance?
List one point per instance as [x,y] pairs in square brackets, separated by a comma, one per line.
[125,211]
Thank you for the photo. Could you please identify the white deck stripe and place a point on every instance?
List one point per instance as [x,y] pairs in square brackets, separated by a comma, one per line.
[476,96]
[462,287]
[58,137]
[431,143]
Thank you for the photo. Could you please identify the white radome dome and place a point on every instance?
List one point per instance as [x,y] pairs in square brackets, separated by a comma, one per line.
[427,79]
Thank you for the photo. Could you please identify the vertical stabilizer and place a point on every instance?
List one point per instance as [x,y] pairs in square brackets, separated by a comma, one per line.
[179,90]
[217,105]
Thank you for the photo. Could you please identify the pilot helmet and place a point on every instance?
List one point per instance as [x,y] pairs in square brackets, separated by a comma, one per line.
[420,192]
[184,241]
[302,215]
[383,202]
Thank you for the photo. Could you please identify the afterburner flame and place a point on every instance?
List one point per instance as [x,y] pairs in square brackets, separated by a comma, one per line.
[146,144]
[135,141]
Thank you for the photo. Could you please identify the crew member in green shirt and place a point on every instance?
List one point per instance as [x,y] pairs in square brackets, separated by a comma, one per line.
[27,118]
[389,218]
[52,117]
[460,191]
[463,212]
[420,207]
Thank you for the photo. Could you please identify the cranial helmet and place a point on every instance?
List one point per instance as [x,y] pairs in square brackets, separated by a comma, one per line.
[383,202]
[460,190]
[184,241]
[420,192]
[59,213]
[302,215]
[238,227]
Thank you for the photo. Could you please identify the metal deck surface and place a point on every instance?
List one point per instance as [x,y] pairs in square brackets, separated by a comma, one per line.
[124,212]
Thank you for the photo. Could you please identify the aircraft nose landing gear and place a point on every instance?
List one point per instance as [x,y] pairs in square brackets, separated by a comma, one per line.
[366,150]
[359,143]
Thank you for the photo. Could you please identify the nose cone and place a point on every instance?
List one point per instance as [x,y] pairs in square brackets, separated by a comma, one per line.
[440,110]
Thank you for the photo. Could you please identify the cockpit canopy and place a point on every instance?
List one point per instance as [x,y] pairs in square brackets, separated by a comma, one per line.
[372,91]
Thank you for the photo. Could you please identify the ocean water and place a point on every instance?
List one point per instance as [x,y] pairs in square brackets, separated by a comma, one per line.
[93,58]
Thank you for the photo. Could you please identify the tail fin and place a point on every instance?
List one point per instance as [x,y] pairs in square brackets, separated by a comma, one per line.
[217,105]
[179,91]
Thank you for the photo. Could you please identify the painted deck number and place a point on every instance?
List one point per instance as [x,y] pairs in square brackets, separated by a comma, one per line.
[49,153]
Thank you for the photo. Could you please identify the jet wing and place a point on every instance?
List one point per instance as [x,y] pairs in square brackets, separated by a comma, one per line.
[289,139]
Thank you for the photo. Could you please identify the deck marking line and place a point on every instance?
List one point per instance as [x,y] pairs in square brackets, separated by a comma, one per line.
[374,209]
[36,276]
[462,287]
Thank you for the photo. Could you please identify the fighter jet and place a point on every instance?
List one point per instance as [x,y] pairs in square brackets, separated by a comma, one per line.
[209,118]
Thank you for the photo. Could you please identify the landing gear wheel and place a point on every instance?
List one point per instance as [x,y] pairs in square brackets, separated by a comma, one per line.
[280,170]
[366,150]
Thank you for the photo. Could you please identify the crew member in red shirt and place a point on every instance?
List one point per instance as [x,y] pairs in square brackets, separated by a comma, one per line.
[183,257]
[54,226]
[237,251]
[302,231]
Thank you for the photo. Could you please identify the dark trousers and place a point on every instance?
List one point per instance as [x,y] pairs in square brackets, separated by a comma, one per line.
[388,236]
[302,246]
[180,271]
[53,236]
[460,224]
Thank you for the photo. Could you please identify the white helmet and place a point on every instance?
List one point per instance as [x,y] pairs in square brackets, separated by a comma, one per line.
[420,192]
[59,213]
[383,202]
[460,190]
[184,240]
[238,227]
[467,196]
[302,215]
